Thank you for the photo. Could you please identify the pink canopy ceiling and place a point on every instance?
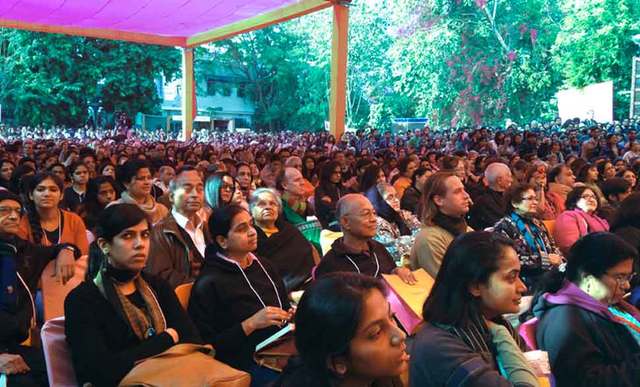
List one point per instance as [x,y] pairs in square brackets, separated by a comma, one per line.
[161,18]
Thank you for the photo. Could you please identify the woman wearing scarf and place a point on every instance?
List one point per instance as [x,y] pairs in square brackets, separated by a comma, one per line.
[535,247]
[591,334]
[465,341]
[136,176]
[396,228]
[123,316]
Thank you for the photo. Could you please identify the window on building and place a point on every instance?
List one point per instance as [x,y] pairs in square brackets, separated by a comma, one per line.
[211,87]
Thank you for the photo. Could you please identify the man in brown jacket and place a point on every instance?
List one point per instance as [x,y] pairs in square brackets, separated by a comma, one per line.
[178,241]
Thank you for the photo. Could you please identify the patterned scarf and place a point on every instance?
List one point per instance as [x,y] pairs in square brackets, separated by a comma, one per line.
[145,322]
[533,236]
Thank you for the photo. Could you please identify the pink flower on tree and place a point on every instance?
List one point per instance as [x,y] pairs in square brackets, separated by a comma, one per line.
[534,36]
[512,56]
[481,3]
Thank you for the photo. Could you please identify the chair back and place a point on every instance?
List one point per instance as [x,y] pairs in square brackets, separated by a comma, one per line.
[57,354]
[327,237]
[54,292]
[550,225]
[183,292]
[528,332]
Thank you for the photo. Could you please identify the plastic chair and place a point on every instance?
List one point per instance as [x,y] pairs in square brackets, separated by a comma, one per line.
[57,354]
[327,237]
[54,292]
[183,292]
[528,332]
[550,225]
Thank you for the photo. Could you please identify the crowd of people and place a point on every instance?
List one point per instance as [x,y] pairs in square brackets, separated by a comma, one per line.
[546,212]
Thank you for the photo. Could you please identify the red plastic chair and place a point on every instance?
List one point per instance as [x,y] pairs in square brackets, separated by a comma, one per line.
[57,354]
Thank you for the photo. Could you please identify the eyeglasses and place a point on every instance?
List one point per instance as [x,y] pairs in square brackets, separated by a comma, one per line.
[530,198]
[227,187]
[623,278]
[6,211]
[588,196]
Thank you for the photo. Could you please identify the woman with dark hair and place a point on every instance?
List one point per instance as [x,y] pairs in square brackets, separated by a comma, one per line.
[579,219]
[465,340]
[309,170]
[606,170]
[238,300]
[346,336]
[17,185]
[101,191]
[59,170]
[74,195]
[626,222]
[589,176]
[220,190]
[396,227]
[123,316]
[406,168]
[560,180]
[372,175]
[46,224]
[591,334]
[536,248]
[137,179]
[6,170]
[536,177]
[411,197]
[630,176]
[327,194]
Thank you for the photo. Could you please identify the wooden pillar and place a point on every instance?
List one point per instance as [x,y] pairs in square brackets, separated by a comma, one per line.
[339,57]
[187,93]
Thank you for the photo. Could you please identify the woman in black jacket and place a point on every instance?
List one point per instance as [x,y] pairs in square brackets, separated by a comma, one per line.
[589,331]
[626,224]
[238,300]
[122,316]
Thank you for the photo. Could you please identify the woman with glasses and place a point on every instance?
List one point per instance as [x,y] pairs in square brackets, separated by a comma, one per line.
[591,334]
[536,248]
[221,189]
[579,219]
[536,176]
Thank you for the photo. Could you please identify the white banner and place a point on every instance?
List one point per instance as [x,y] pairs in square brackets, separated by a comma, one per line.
[593,102]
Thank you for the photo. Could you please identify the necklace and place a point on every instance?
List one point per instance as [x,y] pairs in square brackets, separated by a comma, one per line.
[264,305]
[375,257]
[44,232]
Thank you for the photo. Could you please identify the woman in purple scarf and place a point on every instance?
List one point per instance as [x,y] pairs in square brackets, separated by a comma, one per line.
[591,334]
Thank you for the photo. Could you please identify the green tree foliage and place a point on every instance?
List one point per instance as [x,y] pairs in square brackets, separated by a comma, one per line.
[48,78]
[595,46]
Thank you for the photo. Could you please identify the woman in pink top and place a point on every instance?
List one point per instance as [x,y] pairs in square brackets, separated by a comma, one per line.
[579,219]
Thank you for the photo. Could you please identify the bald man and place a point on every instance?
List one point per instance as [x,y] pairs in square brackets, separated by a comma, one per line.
[356,251]
[492,205]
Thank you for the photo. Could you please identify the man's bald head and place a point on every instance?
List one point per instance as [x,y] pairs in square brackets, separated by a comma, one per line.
[356,216]
[498,176]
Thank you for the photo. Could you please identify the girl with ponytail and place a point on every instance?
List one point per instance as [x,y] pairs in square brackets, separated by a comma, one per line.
[46,224]
[591,334]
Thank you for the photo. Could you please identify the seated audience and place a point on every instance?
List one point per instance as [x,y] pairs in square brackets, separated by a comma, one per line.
[21,265]
[137,179]
[536,248]
[101,191]
[74,195]
[561,181]
[615,190]
[357,251]
[402,181]
[46,224]
[591,334]
[327,194]
[578,219]
[491,205]
[238,300]
[295,208]
[465,340]
[280,242]
[444,205]
[122,316]
[178,241]
[536,176]
[395,227]
[411,197]
[220,191]
[346,336]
